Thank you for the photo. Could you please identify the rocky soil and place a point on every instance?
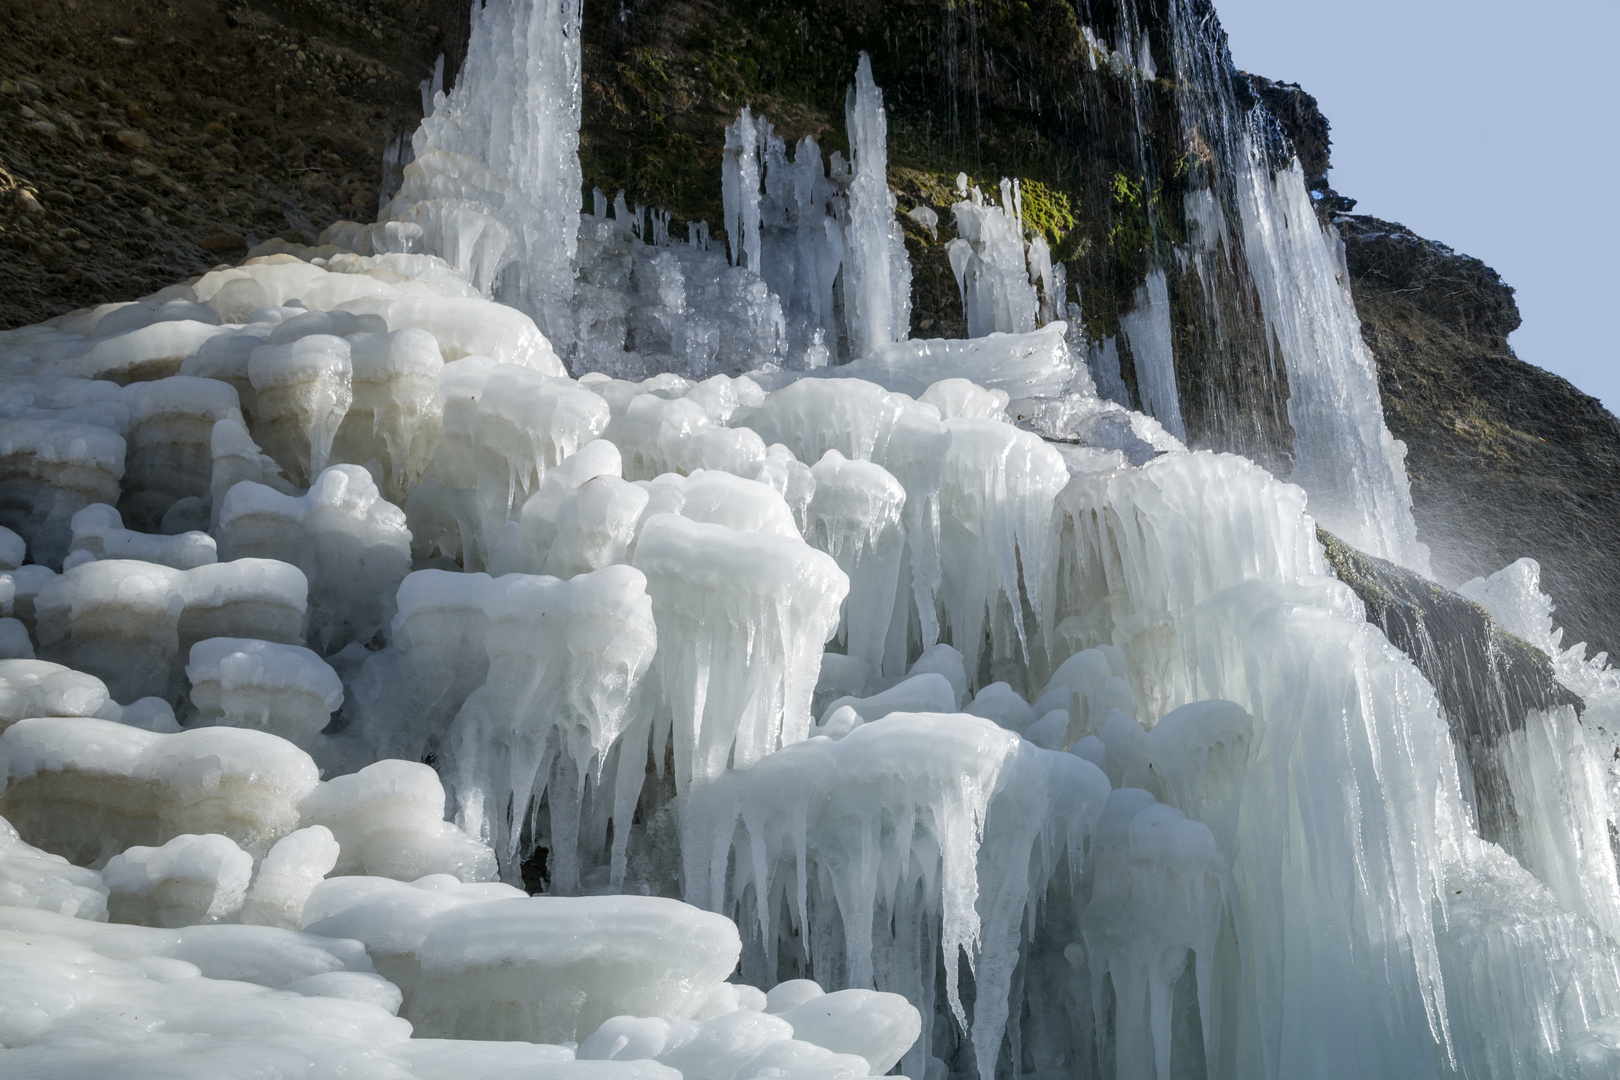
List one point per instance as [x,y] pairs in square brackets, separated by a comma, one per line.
[141,142]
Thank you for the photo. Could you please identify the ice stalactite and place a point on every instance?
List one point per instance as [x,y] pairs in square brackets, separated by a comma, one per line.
[560,723]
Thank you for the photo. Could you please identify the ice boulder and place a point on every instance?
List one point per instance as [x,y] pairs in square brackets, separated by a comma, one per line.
[88,789]
[189,880]
[392,918]
[286,690]
[388,821]
[39,688]
[99,533]
[550,969]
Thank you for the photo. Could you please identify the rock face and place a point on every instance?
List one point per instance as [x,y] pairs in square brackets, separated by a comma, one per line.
[1506,460]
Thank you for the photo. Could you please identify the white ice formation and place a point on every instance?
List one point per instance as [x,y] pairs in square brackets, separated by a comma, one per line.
[970,720]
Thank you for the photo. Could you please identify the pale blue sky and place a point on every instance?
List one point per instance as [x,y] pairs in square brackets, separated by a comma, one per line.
[1489,126]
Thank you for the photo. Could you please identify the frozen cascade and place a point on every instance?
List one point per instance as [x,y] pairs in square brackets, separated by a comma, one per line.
[512,226]
[975,723]
[1343,454]
[1146,330]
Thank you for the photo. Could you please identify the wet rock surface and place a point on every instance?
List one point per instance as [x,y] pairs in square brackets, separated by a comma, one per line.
[1486,678]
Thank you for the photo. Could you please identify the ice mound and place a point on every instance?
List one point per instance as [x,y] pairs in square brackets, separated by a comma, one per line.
[351,544]
[388,821]
[99,533]
[88,789]
[286,690]
[132,623]
[189,880]
[32,878]
[49,471]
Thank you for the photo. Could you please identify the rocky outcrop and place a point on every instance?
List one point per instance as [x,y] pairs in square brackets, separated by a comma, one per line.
[1486,679]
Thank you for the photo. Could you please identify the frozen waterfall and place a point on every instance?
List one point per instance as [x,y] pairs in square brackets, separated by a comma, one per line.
[506,640]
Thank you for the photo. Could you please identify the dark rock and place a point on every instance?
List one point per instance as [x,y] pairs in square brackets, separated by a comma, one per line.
[1505,460]
[130,141]
[1486,679]
[222,242]
[1456,289]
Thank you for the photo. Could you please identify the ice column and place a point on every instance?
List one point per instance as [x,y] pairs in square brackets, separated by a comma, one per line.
[877,273]
[515,108]
[1147,330]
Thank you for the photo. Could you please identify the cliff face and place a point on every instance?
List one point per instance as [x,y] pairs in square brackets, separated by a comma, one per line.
[144,141]
[1506,460]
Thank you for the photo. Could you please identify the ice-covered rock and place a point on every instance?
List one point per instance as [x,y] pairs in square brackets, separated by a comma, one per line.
[286,690]
[351,544]
[88,789]
[189,880]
